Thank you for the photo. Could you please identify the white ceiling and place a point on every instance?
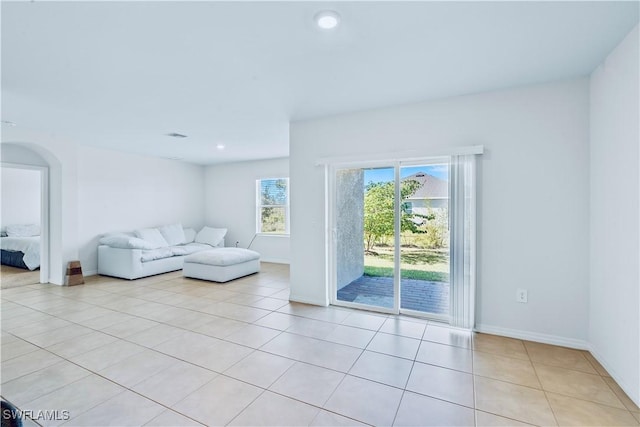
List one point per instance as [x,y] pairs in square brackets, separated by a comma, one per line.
[123,74]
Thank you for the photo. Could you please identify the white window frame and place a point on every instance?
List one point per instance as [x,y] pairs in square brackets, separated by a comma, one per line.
[259,207]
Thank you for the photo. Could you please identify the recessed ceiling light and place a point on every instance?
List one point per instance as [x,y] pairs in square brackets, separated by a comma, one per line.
[176,135]
[8,123]
[220,147]
[327,19]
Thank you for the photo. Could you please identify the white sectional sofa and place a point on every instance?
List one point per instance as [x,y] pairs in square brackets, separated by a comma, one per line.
[146,252]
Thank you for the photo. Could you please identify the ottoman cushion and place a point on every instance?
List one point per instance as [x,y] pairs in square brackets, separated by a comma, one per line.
[222,256]
[221,265]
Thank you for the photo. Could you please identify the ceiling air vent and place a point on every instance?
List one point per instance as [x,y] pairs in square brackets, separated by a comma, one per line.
[176,135]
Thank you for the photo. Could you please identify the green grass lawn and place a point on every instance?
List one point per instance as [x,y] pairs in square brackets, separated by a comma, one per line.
[415,263]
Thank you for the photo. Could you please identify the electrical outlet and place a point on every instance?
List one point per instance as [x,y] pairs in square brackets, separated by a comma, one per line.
[521,295]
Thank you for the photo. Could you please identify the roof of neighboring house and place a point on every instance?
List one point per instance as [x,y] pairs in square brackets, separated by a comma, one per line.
[431,188]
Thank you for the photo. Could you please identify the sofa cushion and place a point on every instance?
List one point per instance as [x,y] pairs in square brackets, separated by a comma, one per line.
[123,241]
[222,256]
[189,235]
[190,248]
[153,236]
[178,250]
[156,254]
[173,234]
[211,236]
[120,233]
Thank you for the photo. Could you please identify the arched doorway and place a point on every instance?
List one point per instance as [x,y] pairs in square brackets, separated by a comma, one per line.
[23,228]
[30,157]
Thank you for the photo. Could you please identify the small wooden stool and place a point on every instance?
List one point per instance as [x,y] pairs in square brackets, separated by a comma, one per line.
[74,274]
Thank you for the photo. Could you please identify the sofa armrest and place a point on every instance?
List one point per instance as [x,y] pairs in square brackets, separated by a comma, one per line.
[124,263]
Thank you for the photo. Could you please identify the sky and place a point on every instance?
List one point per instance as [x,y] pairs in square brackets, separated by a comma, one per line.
[386,174]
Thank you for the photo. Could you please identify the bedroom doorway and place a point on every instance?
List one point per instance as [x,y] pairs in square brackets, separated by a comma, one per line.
[23,225]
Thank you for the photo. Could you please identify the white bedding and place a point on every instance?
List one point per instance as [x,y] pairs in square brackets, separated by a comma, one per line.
[30,246]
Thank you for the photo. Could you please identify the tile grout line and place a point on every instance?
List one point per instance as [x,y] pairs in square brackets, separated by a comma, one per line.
[614,392]
[133,315]
[473,382]
[125,387]
[153,349]
[413,364]
[271,311]
[188,330]
[577,397]
[546,397]
[92,372]
[259,348]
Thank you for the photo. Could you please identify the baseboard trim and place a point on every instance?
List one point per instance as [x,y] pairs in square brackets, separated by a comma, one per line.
[634,394]
[534,336]
[275,260]
[304,300]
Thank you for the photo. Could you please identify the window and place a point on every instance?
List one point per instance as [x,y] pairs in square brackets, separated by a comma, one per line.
[272,202]
[407,207]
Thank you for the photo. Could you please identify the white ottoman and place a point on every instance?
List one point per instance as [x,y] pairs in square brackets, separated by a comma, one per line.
[222,264]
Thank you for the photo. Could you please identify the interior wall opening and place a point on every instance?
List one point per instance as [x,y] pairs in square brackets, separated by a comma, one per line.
[24,225]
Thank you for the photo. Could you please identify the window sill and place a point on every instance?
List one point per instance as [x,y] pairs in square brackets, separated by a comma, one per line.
[272,235]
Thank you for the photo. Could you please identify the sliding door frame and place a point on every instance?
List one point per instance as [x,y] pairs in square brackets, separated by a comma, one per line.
[331,228]
[435,160]
[332,234]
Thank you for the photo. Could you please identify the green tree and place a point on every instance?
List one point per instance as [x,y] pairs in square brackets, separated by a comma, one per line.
[273,220]
[379,211]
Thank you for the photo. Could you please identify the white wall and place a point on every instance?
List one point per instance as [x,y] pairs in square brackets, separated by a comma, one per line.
[121,192]
[231,203]
[614,322]
[20,196]
[21,154]
[533,193]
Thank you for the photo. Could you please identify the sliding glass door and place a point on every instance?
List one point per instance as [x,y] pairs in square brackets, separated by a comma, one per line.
[424,239]
[401,236]
[364,232]
[391,238]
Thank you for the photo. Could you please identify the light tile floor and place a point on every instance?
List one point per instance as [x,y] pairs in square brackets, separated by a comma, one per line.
[170,351]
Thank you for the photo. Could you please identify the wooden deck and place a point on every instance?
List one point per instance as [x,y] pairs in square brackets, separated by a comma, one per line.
[419,295]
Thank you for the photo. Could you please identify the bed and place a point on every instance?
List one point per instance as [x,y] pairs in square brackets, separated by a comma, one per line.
[21,248]
[21,252]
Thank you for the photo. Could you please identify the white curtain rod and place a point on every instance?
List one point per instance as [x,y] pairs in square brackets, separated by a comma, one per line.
[401,156]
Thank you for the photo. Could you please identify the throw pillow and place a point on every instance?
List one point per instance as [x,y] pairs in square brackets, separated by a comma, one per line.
[122,241]
[173,234]
[211,236]
[189,235]
[153,236]
[23,230]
